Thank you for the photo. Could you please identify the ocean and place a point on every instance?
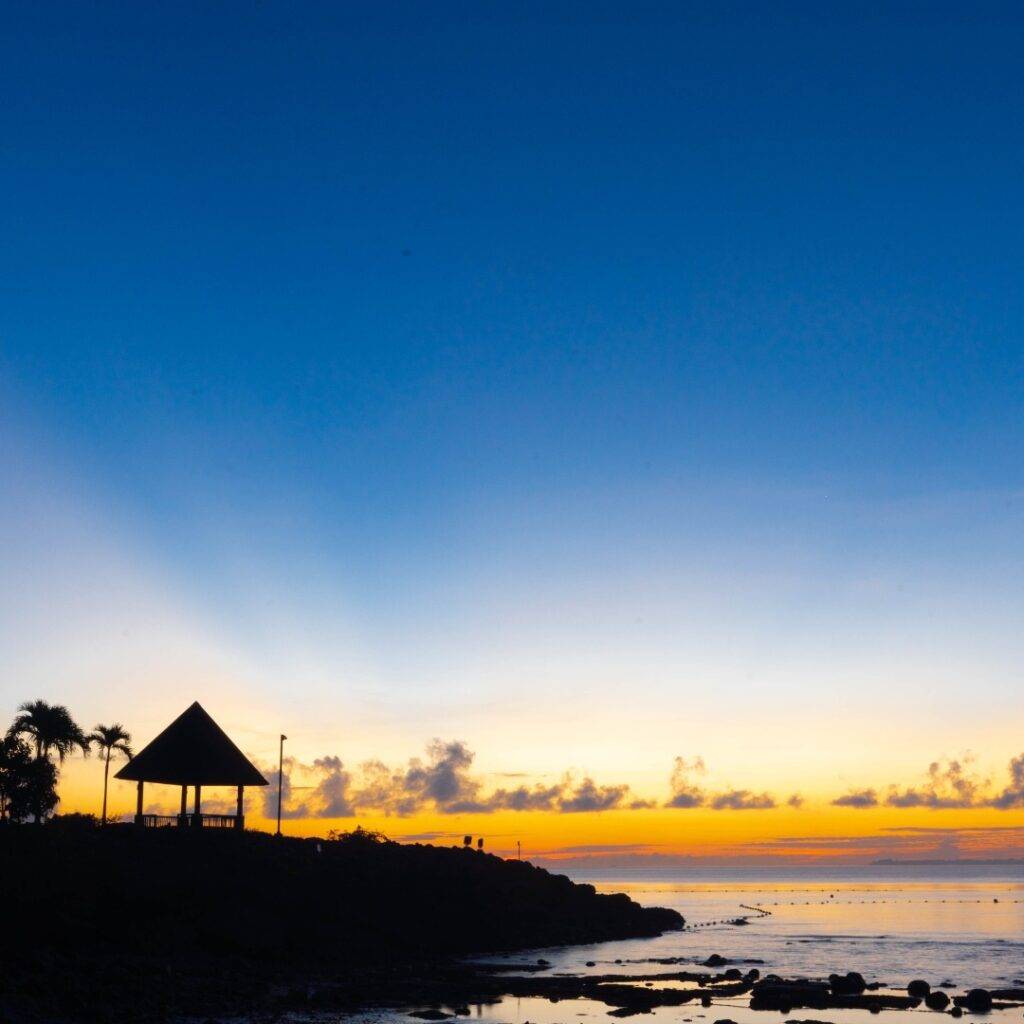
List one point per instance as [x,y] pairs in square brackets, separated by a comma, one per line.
[893,924]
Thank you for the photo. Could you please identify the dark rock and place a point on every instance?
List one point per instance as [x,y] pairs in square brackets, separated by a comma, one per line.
[705,1001]
[753,974]
[733,974]
[715,961]
[850,984]
[936,1000]
[590,963]
[774,994]
[956,1012]
[543,963]
[978,1000]
[918,989]
[431,1015]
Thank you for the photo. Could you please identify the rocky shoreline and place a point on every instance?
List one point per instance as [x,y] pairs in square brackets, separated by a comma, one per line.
[448,990]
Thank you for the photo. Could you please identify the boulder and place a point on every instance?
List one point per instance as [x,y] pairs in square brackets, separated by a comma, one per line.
[849,984]
[936,1000]
[979,1000]
[918,989]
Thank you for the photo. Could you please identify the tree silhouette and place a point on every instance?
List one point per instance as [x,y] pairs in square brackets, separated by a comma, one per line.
[50,728]
[28,786]
[14,764]
[108,739]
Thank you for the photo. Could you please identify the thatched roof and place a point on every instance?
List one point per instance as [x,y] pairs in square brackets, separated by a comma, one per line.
[192,751]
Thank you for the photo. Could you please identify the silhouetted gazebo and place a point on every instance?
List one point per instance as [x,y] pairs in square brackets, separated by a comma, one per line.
[192,751]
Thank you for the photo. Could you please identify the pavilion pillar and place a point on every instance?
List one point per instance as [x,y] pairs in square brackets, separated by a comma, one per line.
[197,811]
[138,803]
[239,816]
[183,813]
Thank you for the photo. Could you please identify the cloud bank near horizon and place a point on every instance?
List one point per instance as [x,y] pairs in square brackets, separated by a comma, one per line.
[443,782]
[949,784]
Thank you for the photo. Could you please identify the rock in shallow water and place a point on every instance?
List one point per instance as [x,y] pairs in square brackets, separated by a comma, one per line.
[979,1000]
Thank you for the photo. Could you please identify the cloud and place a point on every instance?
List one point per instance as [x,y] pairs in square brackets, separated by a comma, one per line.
[742,800]
[440,783]
[1012,796]
[859,798]
[907,843]
[593,848]
[333,790]
[949,784]
[685,791]
[590,797]
[329,794]
[796,800]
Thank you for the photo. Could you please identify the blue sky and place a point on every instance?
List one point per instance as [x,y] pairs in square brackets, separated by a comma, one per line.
[420,361]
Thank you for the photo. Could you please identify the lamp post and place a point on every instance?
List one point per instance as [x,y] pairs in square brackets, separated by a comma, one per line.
[280,780]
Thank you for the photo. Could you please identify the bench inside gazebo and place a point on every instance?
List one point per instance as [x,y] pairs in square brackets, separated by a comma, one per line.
[193,751]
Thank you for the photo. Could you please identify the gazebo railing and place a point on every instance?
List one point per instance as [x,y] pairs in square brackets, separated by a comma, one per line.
[157,820]
[190,821]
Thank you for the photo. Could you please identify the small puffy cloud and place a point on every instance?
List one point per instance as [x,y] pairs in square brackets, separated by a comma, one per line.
[328,793]
[796,801]
[742,800]
[859,798]
[1012,796]
[949,784]
[686,792]
[333,791]
[588,796]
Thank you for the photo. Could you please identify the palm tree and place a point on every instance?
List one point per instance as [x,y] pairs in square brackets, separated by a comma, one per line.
[50,728]
[108,739]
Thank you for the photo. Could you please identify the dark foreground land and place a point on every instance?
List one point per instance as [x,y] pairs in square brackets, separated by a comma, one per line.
[122,924]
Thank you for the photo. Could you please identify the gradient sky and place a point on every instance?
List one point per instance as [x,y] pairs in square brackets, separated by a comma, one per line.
[592,384]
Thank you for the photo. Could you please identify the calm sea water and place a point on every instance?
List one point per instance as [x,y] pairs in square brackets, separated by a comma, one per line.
[892,925]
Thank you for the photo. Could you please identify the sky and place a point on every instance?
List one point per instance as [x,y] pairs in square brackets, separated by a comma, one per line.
[545,392]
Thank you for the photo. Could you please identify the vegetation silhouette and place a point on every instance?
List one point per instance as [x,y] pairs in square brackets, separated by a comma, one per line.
[51,728]
[28,785]
[110,739]
[212,918]
[32,784]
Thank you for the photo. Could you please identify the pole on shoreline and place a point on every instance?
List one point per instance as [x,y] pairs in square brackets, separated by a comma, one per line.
[280,780]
